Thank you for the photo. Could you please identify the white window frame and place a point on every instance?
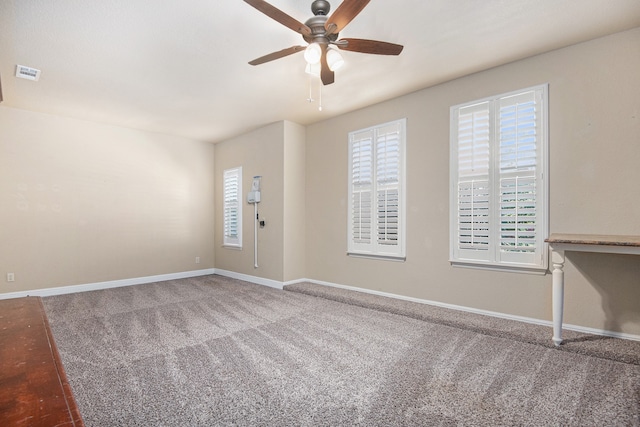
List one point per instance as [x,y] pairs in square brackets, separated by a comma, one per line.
[384,238]
[500,190]
[232,202]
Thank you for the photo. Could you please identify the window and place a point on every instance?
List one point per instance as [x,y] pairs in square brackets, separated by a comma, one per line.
[232,189]
[498,193]
[376,191]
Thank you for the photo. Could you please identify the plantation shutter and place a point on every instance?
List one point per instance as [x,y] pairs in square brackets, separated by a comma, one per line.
[473,182]
[232,183]
[362,188]
[519,132]
[376,191]
[388,185]
[498,190]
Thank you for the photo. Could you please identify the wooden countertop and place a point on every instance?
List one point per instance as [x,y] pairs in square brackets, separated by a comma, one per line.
[594,239]
[34,390]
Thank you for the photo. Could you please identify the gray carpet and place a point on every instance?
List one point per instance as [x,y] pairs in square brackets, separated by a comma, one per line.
[620,350]
[214,351]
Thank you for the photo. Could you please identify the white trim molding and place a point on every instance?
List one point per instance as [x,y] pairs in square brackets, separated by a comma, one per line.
[46,292]
[252,279]
[499,315]
[280,285]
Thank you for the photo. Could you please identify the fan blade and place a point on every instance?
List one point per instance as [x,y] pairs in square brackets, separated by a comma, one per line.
[278,15]
[369,46]
[326,75]
[277,55]
[347,10]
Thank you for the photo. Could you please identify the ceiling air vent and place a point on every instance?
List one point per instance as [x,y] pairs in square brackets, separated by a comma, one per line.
[27,73]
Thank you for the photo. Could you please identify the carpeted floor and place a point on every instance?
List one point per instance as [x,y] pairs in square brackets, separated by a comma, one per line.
[620,350]
[216,351]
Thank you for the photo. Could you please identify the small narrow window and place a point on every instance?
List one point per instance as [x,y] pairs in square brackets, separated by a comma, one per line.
[376,191]
[232,189]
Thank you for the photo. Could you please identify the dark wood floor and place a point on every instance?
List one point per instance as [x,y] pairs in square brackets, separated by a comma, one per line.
[33,385]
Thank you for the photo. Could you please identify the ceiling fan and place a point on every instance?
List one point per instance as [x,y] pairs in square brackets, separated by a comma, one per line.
[321,31]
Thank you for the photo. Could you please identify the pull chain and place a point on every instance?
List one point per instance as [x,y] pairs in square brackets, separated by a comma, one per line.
[313,74]
[310,98]
[319,95]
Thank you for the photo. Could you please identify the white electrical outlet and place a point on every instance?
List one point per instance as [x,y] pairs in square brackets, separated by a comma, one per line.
[197,260]
[11,277]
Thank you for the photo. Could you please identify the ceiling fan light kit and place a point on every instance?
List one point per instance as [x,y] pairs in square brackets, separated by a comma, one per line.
[321,31]
[334,59]
[313,53]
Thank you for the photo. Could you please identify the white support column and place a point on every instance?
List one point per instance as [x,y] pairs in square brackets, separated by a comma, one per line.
[557,259]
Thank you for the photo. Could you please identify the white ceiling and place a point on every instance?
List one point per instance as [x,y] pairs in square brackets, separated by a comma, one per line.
[180,67]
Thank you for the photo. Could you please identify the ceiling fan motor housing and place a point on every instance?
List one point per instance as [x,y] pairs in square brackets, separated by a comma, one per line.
[318,32]
[320,9]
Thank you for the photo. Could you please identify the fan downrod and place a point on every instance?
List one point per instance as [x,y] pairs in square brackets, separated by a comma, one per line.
[320,7]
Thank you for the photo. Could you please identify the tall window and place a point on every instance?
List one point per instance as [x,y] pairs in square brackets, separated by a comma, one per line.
[376,191]
[232,189]
[498,193]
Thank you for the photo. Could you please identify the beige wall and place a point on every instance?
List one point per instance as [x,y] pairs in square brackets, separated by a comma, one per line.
[277,153]
[594,95]
[259,153]
[84,203]
[294,263]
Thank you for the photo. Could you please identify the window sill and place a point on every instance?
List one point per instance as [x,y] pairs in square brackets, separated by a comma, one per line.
[378,257]
[235,248]
[524,269]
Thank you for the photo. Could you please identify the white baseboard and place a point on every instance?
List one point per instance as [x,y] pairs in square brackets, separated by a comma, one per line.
[106,285]
[280,285]
[602,332]
[531,320]
[252,279]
